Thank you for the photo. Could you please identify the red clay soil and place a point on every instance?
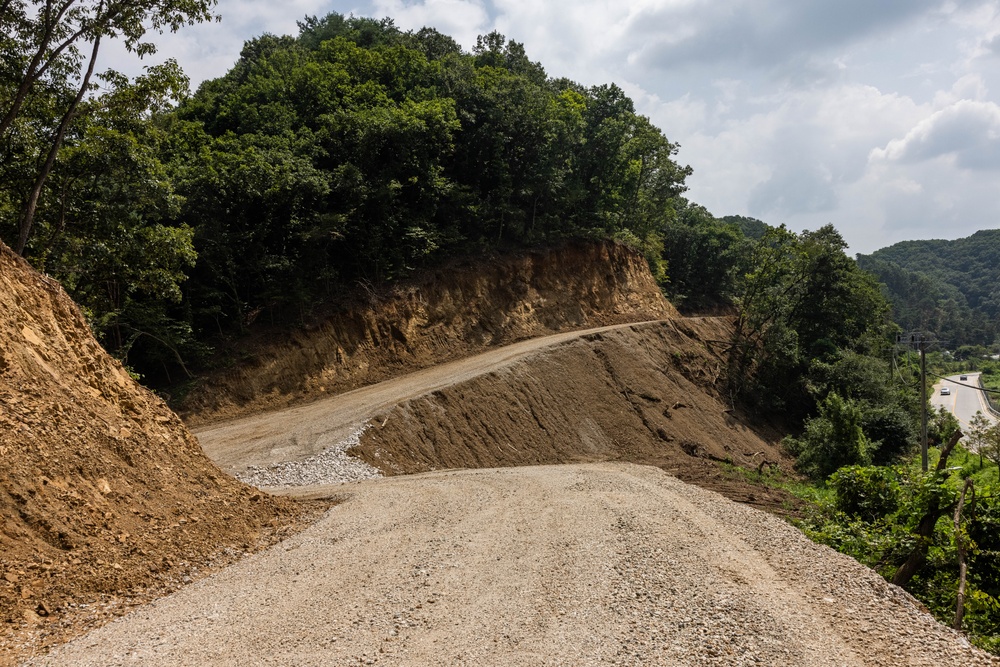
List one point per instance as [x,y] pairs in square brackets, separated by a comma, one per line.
[103,492]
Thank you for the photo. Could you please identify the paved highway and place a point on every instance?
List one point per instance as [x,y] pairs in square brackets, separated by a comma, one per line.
[965,398]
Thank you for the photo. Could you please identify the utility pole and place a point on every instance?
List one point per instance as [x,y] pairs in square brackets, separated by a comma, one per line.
[923,404]
[920,343]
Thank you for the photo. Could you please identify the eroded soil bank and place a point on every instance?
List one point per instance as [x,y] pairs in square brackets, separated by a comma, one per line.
[642,393]
[103,492]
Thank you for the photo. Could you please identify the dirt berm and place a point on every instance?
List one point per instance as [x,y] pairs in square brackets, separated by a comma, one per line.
[460,309]
[642,393]
[103,492]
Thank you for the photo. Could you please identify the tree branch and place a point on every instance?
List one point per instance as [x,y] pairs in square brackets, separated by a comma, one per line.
[28,213]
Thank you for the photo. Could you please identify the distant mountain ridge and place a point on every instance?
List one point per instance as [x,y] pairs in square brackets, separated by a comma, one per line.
[948,288]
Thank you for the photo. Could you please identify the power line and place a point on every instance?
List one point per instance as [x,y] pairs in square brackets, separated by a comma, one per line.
[962,384]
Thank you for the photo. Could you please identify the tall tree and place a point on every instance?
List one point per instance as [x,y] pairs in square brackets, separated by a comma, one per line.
[49,48]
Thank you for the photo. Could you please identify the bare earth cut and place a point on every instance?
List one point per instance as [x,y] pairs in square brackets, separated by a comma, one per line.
[104,495]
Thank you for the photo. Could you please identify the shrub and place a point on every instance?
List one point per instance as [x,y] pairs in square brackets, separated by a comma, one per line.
[866,492]
[832,440]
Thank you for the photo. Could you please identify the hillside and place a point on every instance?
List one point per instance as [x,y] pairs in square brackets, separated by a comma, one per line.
[948,288]
[103,492]
[643,393]
[529,555]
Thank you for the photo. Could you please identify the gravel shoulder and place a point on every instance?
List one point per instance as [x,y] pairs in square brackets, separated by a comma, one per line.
[590,564]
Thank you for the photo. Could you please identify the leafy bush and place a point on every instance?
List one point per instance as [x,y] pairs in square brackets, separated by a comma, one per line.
[891,431]
[831,440]
[869,493]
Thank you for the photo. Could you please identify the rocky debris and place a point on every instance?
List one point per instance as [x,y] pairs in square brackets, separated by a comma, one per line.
[331,466]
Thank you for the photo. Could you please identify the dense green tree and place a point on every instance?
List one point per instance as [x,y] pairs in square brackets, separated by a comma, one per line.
[704,257]
[356,152]
[809,322]
[50,49]
[832,439]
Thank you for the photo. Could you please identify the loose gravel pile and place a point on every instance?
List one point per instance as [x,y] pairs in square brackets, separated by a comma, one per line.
[602,564]
[331,466]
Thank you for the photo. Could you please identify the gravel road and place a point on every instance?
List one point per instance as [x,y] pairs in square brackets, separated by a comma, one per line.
[556,565]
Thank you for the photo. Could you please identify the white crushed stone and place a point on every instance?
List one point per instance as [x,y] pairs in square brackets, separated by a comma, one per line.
[331,466]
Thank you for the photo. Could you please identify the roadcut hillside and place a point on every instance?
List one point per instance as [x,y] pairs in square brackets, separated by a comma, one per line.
[104,494]
[524,503]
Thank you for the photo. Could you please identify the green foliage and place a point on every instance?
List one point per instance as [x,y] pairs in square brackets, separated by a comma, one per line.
[356,152]
[984,437]
[703,255]
[352,152]
[832,439]
[50,51]
[810,321]
[872,516]
[868,493]
[103,224]
[946,288]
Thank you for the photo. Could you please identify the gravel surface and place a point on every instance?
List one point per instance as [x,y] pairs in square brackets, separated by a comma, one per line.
[555,565]
[331,466]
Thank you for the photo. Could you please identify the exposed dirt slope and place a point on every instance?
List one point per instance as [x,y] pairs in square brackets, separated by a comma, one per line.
[461,309]
[640,392]
[103,491]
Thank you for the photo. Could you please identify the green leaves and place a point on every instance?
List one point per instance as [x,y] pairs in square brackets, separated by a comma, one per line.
[833,439]
[802,303]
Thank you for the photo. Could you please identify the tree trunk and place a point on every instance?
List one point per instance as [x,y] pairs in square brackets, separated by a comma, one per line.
[925,529]
[40,62]
[962,546]
[31,206]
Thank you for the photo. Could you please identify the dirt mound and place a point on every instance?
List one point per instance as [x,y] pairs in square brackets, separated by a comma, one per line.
[642,393]
[461,309]
[103,491]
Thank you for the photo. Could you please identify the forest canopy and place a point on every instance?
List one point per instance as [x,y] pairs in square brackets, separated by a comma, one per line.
[948,289]
[351,152]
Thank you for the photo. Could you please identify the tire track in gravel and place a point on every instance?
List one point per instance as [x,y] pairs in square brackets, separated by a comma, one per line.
[592,564]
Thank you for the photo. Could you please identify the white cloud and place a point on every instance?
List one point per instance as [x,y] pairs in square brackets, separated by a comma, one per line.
[209,50]
[462,20]
[967,132]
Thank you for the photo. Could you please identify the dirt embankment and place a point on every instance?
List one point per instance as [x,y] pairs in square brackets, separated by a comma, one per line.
[461,309]
[103,492]
[642,393]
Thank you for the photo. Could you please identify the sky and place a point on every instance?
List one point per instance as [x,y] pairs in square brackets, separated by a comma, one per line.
[881,117]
